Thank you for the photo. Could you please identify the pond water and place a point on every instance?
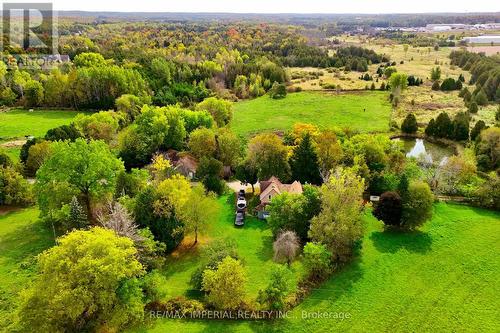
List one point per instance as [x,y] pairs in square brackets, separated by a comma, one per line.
[429,152]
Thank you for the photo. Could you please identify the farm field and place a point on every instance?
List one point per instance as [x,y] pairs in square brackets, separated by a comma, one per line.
[442,278]
[17,123]
[326,110]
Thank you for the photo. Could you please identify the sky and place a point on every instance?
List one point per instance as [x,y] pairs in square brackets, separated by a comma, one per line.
[279,6]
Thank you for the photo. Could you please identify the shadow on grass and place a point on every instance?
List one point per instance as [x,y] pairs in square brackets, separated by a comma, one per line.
[391,241]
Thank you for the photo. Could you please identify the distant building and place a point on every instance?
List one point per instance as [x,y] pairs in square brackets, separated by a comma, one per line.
[271,188]
[486,39]
[183,163]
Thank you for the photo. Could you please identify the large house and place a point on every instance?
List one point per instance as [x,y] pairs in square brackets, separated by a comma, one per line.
[271,188]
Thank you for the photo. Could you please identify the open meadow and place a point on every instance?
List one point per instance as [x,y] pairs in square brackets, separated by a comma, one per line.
[18,123]
[363,111]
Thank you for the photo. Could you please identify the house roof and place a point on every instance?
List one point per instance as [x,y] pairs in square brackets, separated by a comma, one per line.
[274,185]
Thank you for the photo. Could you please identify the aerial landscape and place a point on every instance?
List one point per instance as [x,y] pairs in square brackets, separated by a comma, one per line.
[250,167]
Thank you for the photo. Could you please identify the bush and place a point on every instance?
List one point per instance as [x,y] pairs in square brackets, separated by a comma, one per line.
[389,209]
[480,98]
[317,261]
[274,295]
[277,91]
[448,84]
[473,107]
[436,86]
[409,125]
[179,304]
[286,246]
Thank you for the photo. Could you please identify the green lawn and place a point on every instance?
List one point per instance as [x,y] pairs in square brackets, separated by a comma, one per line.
[254,242]
[21,239]
[323,109]
[17,123]
[443,278]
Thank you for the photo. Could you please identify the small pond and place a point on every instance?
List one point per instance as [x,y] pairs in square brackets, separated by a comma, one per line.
[430,152]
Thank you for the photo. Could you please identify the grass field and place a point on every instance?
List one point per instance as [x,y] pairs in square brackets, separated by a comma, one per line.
[443,278]
[254,243]
[323,109]
[418,61]
[17,123]
[21,239]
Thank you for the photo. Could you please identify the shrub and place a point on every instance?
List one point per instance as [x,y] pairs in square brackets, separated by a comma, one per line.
[436,86]
[277,91]
[317,261]
[274,295]
[473,107]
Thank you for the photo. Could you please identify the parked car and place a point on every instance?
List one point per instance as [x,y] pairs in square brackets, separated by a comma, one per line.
[240,219]
[241,193]
[241,203]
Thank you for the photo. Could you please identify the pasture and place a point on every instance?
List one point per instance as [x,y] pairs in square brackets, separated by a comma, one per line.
[18,123]
[361,111]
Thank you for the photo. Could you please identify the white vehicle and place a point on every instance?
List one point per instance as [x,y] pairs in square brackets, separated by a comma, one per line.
[241,203]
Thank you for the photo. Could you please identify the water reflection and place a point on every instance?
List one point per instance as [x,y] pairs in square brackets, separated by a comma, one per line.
[426,152]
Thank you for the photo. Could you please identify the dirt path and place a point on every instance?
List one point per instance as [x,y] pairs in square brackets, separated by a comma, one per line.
[13,144]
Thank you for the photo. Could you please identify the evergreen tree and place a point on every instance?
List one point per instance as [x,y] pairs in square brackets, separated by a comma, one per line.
[403,185]
[77,217]
[409,125]
[481,98]
[478,127]
[444,126]
[461,127]
[473,107]
[304,162]
[430,130]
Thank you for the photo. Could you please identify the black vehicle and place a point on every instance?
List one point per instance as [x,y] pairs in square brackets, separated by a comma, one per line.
[240,219]
[241,194]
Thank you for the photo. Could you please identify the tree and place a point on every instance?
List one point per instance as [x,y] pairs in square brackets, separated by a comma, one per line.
[225,285]
[329,153]
[417,205]
[389,71]
[210,171]
[286,246]
[389,209]
[33,93]
[118,219]
[473,107]
[304,162]
[339,225]
[129,105]
[488,149]
[37,155]
[436,73]
[436,86]
[98,126]
[221,110]
[398,83]
[14,189]
[480,98]
[478,127]
[443,126]
[460,127]
[77,218]
[198,211]
[247,174]
[317,261]
[106,296]
[430,130]
[229,147]
[449,84]
[89,59]
[202,143]
[293,212]
[409,125]
[277,91]
[274,296]
[88,170]
[63,133]
[269,156]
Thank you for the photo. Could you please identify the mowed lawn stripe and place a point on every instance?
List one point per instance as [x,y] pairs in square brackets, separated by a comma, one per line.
[361,111]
